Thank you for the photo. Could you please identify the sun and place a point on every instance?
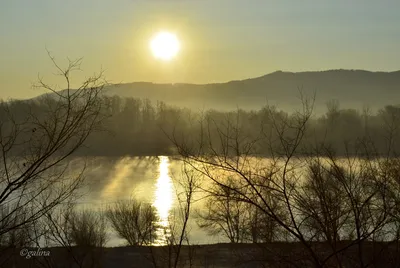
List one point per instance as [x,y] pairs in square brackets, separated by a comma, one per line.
[164,46]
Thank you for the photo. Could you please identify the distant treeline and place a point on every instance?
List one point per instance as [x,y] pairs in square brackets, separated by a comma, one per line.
[140,127]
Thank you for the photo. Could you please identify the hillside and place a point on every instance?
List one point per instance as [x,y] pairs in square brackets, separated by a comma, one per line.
[353,89]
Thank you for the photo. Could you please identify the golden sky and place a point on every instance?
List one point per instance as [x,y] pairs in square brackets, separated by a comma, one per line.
[220,40]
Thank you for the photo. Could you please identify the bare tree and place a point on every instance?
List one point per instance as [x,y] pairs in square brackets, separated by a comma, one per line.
[269,187]
[16,237]
[178,251]
[36,142]
[190,185]
[322,203]
[81,233]
[225,214]
[337,208]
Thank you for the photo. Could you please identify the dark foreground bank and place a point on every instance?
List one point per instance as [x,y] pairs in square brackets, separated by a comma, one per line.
[378,254]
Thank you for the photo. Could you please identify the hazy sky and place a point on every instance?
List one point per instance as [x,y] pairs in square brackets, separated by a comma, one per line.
[221,40]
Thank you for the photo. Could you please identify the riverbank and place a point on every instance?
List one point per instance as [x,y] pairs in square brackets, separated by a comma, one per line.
[277,254]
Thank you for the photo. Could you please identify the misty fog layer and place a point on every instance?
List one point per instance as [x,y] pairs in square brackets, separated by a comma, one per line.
[139,127]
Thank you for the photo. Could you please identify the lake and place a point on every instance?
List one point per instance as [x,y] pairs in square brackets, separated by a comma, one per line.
[150,179]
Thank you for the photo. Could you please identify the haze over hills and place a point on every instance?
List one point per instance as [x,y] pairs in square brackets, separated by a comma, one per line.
[353,89]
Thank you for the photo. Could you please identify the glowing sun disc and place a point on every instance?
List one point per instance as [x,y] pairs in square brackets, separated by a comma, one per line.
[164,46]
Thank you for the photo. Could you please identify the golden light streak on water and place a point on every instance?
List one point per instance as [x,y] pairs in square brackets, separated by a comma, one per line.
[122,170]
[163,200]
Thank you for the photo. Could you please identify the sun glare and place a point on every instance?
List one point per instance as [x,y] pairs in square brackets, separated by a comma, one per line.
[164,46]
[163,200]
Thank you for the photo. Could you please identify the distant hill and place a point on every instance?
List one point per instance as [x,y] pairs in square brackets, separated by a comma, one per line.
[353,89]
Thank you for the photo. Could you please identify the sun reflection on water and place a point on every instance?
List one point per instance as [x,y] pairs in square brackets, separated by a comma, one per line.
[163,200]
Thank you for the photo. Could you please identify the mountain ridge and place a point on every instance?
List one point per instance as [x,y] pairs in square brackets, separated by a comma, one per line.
[278,72]
[352,88]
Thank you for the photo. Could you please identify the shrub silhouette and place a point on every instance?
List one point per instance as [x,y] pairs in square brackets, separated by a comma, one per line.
[134,221]
[86,228]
